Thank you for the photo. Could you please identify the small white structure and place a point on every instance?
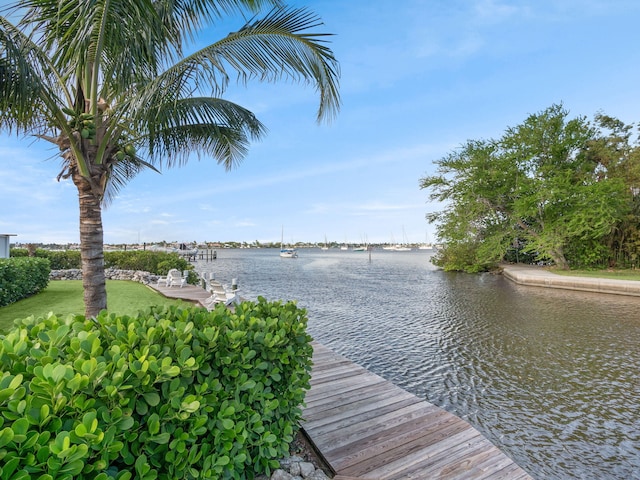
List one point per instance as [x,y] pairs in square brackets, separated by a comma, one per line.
[5,243]
[174,277]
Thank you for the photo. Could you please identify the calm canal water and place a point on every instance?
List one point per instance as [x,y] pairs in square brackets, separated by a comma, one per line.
[549,376]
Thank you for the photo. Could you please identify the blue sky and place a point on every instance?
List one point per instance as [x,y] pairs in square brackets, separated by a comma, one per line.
[418,79]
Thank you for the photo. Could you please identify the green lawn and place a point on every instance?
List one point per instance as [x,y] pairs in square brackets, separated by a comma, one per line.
[65,296]
[616,274]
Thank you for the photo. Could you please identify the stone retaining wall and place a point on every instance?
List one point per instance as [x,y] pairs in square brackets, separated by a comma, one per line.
[110,274]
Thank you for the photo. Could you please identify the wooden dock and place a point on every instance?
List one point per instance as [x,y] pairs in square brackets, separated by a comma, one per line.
[367,428]
[189,293]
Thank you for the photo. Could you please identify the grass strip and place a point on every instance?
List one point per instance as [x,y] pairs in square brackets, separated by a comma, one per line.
[64,297]
[613,274]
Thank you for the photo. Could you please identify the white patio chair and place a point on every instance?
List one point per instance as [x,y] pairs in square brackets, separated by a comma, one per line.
[175,278]
[219,294]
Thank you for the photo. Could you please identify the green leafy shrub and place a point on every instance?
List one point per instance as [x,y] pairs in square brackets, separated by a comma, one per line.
[154,262]
[59,259]
[21,277]
[192,277]
[167,394]
[158,263]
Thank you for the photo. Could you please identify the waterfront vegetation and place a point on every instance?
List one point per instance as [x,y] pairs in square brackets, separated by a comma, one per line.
[553,189]
[165,393]
[145,260]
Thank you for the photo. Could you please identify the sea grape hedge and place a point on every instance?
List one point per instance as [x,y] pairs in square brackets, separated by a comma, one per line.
[167,394]
[22,277]
[59,259]
[146,260]
[149,261]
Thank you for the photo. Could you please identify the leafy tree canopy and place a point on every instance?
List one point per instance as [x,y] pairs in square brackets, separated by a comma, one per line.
[546,189]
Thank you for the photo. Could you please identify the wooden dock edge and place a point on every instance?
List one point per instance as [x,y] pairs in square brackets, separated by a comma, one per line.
[365,428]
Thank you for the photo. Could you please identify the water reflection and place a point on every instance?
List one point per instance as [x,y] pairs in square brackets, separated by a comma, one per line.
[550,376]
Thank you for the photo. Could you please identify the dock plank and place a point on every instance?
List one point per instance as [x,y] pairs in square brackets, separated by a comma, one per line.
[348,396]
[424,459]
[345,392]
[328,413]
[368,428]
[343,433]
[407,438]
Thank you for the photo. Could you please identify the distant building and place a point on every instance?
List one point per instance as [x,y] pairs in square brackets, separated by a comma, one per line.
[5,244]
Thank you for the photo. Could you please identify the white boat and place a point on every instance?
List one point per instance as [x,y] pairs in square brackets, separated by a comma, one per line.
[391,245]
[325,246]
[398,247]
[426,245]
[359,248]
[182,250]
[402,247]
[287,252]
[158,248]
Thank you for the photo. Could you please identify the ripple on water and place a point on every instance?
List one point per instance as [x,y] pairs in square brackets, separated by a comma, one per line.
[549,376]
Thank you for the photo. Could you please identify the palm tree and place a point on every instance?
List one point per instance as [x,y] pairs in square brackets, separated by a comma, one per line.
[107,82]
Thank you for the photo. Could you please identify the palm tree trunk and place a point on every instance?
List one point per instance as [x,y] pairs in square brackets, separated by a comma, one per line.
[91,248]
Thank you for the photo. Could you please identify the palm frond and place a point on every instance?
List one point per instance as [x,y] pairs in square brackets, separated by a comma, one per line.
[24,80]
[227,145]
[188,16]
[200,125]
[121,173]
[269,49]
[280,45]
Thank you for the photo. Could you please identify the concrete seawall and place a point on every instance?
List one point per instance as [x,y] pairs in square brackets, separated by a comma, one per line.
[539,277]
